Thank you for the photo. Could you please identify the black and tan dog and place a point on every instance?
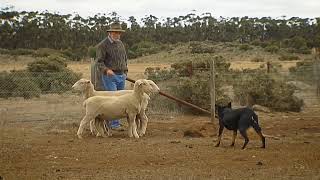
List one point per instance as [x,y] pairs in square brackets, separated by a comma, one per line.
[238,119]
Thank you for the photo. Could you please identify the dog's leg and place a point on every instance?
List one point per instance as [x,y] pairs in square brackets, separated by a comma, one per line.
[257,128]
[219,136]
[234,137]
[263,139]
[243,132]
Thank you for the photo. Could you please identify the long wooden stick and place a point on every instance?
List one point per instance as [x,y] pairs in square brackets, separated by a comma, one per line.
[178,100]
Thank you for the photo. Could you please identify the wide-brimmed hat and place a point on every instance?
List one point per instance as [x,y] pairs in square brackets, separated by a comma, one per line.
[115,27]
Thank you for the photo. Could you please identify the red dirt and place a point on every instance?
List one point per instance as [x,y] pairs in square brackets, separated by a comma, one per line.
[31,151]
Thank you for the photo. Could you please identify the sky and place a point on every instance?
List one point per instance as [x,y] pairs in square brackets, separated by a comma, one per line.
[173,8]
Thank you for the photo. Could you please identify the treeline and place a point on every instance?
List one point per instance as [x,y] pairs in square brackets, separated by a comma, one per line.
[34,30]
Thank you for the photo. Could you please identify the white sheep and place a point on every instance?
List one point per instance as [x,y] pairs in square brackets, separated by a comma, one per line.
[115,107]
[86,87]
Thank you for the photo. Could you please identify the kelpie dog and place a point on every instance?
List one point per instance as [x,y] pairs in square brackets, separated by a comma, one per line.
[234,119]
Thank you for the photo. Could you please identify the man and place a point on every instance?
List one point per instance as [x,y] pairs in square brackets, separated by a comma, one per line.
[111,63]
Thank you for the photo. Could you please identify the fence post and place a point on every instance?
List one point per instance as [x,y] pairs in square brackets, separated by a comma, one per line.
[316,68]
[212,90]
[268,67]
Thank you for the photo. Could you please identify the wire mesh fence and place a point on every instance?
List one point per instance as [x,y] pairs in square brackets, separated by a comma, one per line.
[48,96]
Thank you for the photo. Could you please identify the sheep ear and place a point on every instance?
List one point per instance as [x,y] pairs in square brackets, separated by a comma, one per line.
[139,82]
[88,81]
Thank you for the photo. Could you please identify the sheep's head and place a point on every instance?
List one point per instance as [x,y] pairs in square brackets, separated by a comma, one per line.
[155,88]
[143,85]
[82,85]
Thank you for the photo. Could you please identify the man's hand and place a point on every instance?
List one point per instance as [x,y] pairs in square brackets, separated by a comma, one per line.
[109,72]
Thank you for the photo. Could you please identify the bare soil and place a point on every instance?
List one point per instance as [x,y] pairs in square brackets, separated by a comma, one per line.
[37,141]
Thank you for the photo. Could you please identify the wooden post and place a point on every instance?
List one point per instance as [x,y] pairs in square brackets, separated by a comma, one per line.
[316,69]
[268,67]
[212,90]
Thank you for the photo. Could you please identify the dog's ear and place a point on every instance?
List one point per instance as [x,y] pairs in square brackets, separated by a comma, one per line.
[229,104]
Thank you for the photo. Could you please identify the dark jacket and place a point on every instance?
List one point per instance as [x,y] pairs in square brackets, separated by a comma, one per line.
[109,54]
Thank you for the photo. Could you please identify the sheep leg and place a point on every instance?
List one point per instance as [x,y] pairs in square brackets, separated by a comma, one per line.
[132,130]
[100,127]
[83,122]
[92,127]
[144,122]
[138,121]
[107,127]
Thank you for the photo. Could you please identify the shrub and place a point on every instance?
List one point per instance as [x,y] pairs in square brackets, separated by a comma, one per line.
[257,59]
[245,47]
[296,42]
[262,44]
[92,52]
[47,65]
[199,48]
[303,71]
[144,48]
[192,86]
[18,84]
[52,75]
[266,91]
[20,51]
[17,52]
[272,49]
[297,45]
[4,51]
[44,52]
[158,74]
[288,57]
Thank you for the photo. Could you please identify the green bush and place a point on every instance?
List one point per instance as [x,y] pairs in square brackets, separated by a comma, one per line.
[144,48]
[266,91]
[75,54]
[272,49]
[44,52]
[303,50]
[199,48]
[22,52]
[257,59]
[18,84]
[52,75]
[4,51]
[260,43]
[297,45]
[288,57]
[192,86]
[49,75]
[17,52]
[245,47]
[158,74]
[52,64]
[303,71]
[296,42]
[92,52]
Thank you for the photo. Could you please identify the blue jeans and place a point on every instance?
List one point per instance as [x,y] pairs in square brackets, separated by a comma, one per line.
[114,83]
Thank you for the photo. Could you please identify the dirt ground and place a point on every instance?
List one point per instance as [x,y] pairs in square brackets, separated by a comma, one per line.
[37,141]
